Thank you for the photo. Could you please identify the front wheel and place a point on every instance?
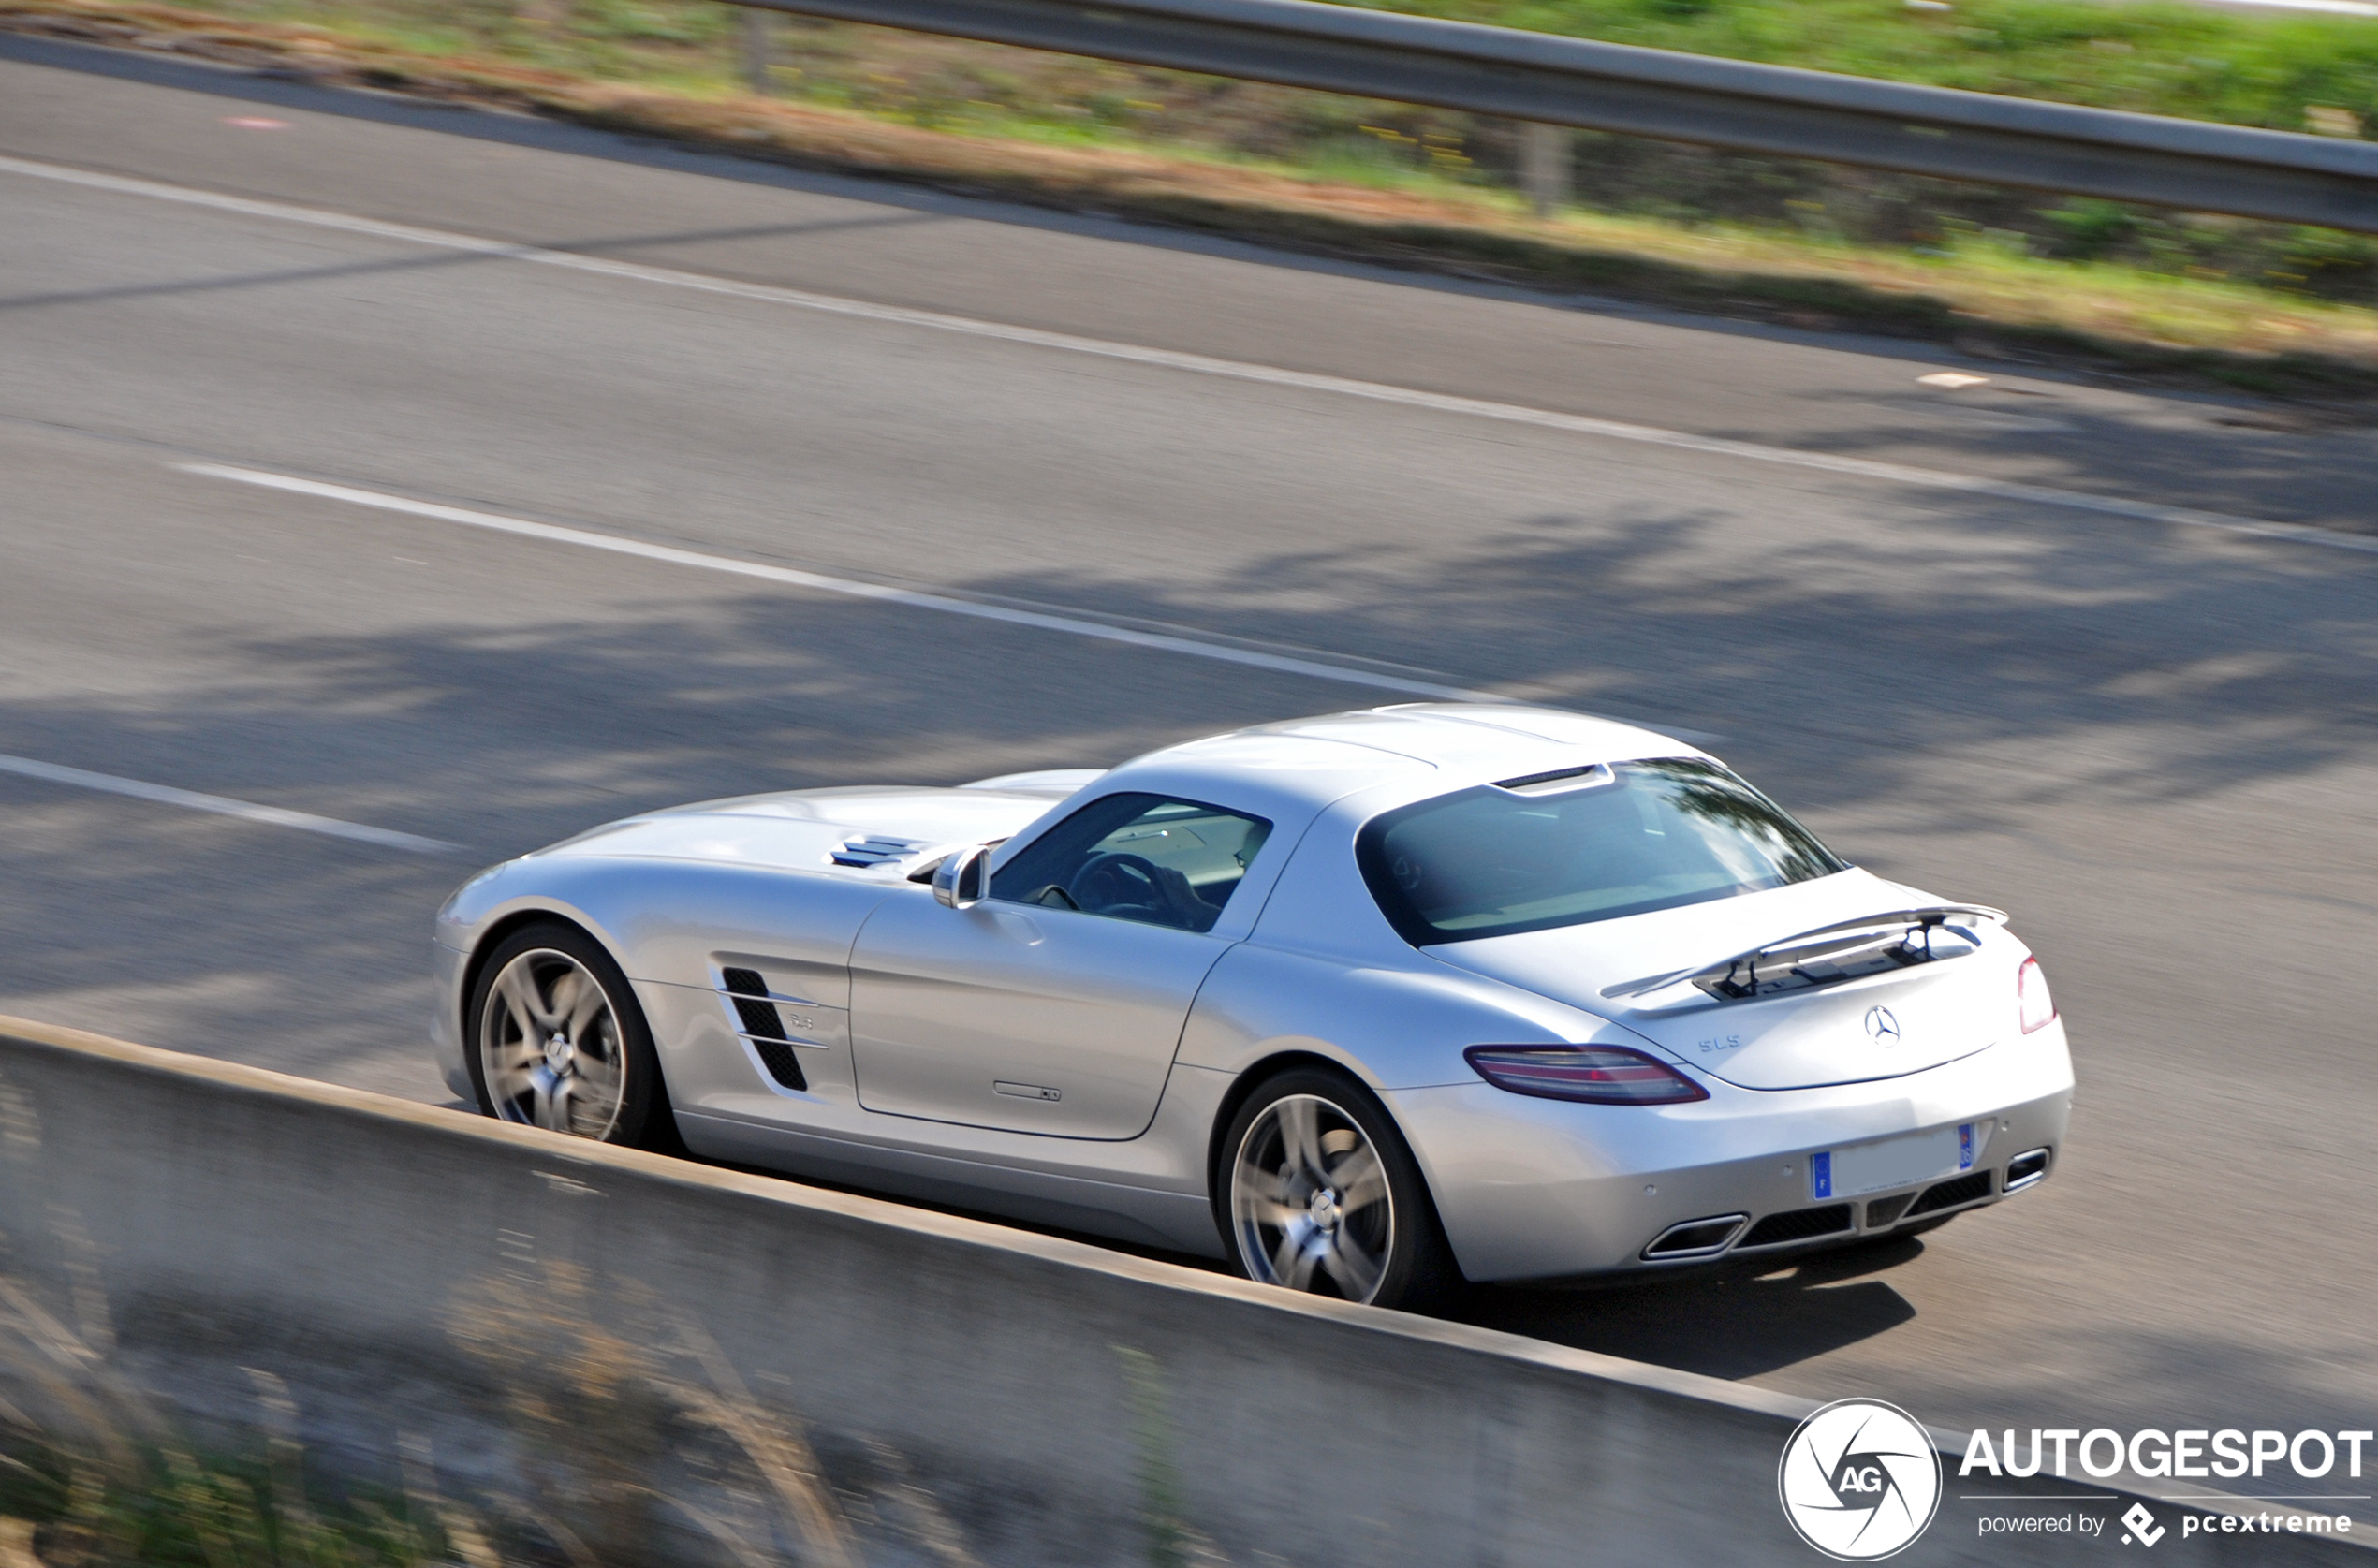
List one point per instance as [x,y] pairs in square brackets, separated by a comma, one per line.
[1319,1193]
[557,1041]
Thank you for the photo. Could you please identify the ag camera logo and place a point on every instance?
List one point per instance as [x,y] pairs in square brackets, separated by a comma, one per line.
[1860,1480]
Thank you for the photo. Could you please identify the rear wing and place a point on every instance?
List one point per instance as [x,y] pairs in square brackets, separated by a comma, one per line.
[1844,950]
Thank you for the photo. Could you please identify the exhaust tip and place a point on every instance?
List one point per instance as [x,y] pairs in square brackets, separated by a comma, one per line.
[1695,1238]
[2025,1169]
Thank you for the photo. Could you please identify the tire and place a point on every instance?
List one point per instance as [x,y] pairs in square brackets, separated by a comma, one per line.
[554,1038]
[1315,1190]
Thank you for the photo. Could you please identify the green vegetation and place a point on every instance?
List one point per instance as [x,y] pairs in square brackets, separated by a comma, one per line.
[2290,71]
[2134,291]
[2195,62]
[2285,71]
[166,1507]
[625,1443]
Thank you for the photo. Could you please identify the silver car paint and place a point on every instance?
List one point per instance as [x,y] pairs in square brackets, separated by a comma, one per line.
[1301,963]
[1035,1021]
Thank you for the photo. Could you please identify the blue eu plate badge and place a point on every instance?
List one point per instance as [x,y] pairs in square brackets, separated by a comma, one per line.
[1820,1175]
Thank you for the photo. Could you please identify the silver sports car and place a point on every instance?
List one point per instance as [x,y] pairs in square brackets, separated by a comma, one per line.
[1365,1005]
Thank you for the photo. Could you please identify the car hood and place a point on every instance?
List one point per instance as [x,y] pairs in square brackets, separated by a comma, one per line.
[873,832]
[1937,1012]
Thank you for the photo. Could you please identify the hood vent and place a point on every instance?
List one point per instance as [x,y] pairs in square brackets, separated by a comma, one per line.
[873,849]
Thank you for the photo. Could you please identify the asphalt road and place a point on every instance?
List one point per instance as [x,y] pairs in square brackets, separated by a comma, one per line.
[2156,743]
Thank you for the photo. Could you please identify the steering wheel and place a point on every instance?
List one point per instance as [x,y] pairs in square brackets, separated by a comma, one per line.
[1131,886]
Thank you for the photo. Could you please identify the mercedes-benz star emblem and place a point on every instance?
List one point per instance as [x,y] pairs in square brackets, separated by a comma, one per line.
[1882,1026]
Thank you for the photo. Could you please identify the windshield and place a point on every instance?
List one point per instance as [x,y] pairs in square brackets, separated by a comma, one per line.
[1591,844]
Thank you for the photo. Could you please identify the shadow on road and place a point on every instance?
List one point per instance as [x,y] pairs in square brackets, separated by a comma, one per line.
[1738,1324]
[1933,678]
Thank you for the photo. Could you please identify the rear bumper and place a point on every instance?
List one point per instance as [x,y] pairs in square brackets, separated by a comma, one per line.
[1533,1189]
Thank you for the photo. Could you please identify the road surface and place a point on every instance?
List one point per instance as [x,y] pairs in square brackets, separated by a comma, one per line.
[2025,663]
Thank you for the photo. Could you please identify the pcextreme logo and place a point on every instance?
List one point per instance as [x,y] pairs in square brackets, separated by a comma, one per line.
[1860,1480]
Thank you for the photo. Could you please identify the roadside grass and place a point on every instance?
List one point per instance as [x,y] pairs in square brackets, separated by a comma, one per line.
[2122,291]
[2155,57]
[94,1474]
[609,1431]
[626,1445]
[174,1507]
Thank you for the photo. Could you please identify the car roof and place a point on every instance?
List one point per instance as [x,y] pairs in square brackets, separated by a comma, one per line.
[1431,747]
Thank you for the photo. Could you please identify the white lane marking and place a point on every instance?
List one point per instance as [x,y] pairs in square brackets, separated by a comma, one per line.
[247,811]
[1826,463]
[879,592]
[1073,626]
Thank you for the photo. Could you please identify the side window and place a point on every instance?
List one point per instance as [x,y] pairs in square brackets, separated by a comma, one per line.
[1141,858]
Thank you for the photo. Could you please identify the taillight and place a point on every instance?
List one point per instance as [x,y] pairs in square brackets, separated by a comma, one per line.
[2038,1009]
[1599,1075]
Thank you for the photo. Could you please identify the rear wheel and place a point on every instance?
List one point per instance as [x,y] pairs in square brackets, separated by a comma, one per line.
[558,1042]
[1319,1193]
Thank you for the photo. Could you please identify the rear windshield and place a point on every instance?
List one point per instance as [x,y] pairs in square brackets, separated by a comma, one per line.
[1611,842]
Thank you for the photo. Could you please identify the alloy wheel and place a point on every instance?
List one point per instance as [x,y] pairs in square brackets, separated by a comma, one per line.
[549,1046]
[1309,1201]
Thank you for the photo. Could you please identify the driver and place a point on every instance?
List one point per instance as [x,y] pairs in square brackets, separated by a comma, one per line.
[1131,887]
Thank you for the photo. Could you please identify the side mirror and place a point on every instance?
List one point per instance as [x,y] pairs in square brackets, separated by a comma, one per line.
[962,879]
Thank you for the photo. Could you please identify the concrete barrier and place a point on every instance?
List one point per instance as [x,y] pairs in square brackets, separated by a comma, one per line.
[1061,1403]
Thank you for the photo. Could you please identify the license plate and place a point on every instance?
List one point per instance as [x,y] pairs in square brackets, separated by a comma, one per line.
[1902,1161]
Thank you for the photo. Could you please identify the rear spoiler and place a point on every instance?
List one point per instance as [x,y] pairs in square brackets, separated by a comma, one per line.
[1843,950]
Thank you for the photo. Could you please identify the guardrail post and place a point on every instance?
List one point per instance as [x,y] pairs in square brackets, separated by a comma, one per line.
[756,49]
[1544,165]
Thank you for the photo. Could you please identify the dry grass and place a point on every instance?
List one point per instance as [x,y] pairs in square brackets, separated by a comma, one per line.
[94,1474]
[1986,298]
[628,1425]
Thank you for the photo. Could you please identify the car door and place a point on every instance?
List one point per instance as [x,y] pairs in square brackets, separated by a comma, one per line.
[1055,1004]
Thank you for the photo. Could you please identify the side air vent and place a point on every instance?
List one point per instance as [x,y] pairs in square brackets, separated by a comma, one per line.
[777,1057]
[874,850]
[1949,1194]
[1885,1212]
[749,993]
[762,1027]
[1799,1225]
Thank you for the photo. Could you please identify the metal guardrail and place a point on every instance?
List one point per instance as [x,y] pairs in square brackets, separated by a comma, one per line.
[1733,104]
